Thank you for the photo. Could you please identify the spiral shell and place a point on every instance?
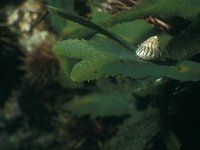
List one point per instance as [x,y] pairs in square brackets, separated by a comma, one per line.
[149,49]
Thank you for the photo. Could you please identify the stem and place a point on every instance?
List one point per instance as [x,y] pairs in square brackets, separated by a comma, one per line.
[91,25]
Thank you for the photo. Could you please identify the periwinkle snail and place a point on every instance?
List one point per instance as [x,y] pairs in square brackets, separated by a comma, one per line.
[149,50]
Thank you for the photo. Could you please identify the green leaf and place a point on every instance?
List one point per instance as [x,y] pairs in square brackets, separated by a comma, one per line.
[182,8]
[186,45]
[64,74]
[183,47]
[171,140]
[58,22]
[135,135]
[134,32]
[135,132]
[102,104]
[75,30]
[102,57]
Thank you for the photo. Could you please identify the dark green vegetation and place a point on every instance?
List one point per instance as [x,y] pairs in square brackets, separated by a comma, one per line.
[89,91]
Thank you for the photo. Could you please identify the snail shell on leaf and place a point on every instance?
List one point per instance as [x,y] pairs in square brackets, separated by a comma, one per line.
[149,50]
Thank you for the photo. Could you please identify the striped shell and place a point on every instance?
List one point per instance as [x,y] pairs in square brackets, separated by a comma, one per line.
[149,49]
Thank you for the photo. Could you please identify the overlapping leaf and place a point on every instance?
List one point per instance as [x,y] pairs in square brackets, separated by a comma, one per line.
[102,57]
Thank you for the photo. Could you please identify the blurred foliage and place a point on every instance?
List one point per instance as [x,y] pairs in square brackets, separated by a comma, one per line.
[87,90]
[10,61]
[101,104]
[136,135]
